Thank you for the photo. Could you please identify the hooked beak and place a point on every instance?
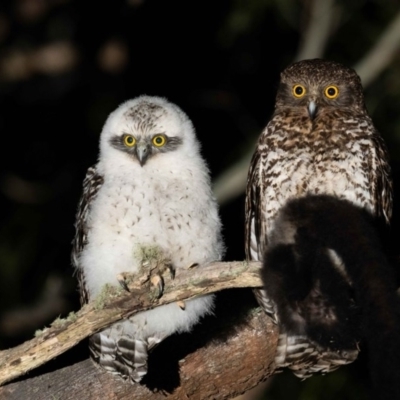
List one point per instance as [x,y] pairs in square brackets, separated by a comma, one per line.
[312,109]
[142,152]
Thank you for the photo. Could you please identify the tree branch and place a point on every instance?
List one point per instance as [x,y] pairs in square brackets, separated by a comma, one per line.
[64,334]
[381,54]
[232,359]
[316,34]
[231,182]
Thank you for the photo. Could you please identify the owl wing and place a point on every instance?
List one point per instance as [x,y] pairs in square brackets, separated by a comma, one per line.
[295,351]
[383,188]
[255,226]
[117,353]
[253,212]
[91,185]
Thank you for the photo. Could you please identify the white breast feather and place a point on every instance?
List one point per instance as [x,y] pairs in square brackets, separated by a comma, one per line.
[167,203]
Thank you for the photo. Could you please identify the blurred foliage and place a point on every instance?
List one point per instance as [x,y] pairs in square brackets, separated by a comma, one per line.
[66,64]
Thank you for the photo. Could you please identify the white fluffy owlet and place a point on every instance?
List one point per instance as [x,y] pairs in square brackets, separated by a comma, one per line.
[148,194]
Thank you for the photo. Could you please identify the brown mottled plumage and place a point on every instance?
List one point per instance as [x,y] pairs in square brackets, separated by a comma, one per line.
[320,140]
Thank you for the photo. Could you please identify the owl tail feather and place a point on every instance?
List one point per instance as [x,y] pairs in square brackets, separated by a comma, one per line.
[332,283]
[125,357]
[306,357]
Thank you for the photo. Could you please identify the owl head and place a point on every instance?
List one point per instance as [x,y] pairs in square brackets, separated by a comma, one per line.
[144,129]
[314,86]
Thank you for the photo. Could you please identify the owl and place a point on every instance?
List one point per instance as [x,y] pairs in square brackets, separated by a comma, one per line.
[319,140]
[147,203]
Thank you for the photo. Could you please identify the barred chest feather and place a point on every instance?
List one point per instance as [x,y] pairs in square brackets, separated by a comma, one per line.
[325,159]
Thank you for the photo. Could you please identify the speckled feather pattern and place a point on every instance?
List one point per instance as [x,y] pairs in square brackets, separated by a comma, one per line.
[126,207]
[337,152]
[333,154]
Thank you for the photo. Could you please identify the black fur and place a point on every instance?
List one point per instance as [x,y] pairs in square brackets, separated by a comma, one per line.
[335,307]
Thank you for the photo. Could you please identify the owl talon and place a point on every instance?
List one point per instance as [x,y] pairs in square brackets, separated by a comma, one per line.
[158,282]
[156,268]
[181,304]
[123,281]
[171,270]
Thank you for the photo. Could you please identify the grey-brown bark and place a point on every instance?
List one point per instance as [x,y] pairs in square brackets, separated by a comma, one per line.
[232,358]
[221,369]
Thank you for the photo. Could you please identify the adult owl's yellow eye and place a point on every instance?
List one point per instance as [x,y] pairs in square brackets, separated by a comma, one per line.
[331,92]
[129,140]
[298,91]
[159,140]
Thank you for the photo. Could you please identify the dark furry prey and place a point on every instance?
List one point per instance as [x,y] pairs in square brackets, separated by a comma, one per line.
[336,299]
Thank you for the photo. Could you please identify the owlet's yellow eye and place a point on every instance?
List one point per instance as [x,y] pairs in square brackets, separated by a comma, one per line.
[159,140]
[298,91]
[331,92]
[129,141]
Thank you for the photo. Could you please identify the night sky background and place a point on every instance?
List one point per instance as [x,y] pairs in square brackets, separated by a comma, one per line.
[66,64]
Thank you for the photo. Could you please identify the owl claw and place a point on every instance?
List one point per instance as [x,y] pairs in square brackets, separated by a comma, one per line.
[158,282]
[181,304]
[171,270]
[156,276]
[123,281]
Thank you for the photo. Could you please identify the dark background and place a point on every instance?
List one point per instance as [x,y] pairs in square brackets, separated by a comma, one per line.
[66,64]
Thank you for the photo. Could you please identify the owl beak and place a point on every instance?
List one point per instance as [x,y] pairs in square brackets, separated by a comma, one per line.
[142,153]
[312,109]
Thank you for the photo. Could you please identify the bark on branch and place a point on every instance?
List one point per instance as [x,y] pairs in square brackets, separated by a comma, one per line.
[64,334]
[230,362]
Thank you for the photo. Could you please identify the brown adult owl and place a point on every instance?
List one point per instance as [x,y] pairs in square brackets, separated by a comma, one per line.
[320,140]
